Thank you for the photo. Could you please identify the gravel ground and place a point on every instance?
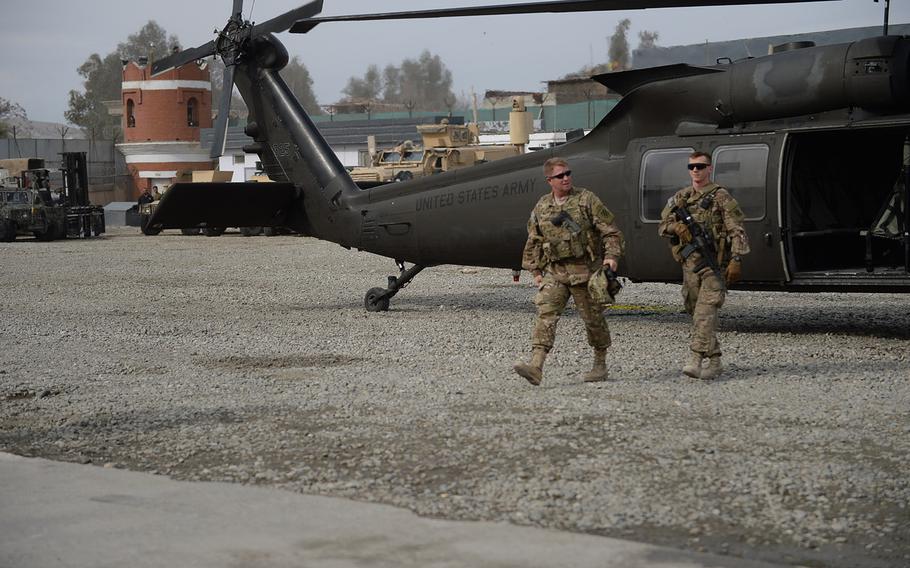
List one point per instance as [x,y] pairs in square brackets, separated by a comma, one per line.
[252,360]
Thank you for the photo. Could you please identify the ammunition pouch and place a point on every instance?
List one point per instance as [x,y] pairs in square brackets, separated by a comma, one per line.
[564,249]
[686,251]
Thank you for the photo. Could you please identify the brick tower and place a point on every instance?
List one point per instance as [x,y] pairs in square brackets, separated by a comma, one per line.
[162,116]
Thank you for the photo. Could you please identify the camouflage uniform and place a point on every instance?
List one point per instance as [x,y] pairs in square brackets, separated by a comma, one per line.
[704,291]
[567,258]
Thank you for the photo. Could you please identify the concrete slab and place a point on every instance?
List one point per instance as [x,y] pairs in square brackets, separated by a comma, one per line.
[64,514]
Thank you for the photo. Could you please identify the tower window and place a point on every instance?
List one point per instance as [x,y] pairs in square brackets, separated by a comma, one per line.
[130,117]
[192,113]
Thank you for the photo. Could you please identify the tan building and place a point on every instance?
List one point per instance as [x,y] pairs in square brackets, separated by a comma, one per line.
[577,90]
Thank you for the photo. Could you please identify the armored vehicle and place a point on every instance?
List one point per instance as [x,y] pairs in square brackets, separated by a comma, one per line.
[30,212]
[445,147]
[401,163]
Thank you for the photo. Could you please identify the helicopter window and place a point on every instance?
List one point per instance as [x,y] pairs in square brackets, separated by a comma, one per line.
[743,171]
[663,173]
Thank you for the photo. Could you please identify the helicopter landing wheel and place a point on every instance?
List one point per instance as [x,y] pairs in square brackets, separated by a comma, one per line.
[376,300]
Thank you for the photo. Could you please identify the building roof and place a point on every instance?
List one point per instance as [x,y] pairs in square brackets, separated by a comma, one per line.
[388,132]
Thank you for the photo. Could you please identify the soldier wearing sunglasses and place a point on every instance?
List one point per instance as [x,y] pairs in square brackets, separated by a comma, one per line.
[570,235]
[704,287]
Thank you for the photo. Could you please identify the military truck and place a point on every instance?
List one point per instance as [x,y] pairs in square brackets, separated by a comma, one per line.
[30,212]
[443,147]
[401,163]
[28,206]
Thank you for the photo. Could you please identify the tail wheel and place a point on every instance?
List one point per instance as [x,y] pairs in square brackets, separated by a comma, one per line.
[376,301]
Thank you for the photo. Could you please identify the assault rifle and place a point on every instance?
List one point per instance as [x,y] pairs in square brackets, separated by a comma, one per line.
[701,242]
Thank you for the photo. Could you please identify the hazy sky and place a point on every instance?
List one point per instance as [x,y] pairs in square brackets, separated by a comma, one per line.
[44,41]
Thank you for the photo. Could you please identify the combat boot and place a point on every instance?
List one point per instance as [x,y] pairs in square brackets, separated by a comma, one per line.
[532,371]
[598,372]
[713,369]
[692,367]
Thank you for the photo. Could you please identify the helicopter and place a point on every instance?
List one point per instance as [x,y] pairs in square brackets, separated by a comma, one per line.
[813,142]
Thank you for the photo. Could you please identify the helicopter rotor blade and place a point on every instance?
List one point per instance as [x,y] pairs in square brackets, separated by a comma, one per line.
[553,6]
[224,109]
[183,57]
[286,20]
[275,25]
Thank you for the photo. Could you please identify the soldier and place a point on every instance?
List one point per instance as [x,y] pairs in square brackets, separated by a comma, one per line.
[719,216]
[570,234]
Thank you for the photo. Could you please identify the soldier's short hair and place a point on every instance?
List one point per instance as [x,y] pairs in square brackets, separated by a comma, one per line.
[704,155]
[552,163]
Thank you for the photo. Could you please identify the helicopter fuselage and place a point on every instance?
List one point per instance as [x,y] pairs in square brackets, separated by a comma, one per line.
[814,143]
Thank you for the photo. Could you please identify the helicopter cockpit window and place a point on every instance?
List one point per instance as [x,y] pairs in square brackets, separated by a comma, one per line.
[663,173]
[743,171]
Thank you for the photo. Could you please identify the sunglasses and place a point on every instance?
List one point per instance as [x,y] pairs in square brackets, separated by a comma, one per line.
[566,173]
[697,166]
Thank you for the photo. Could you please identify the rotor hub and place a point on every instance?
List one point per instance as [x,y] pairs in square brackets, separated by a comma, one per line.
[232,40]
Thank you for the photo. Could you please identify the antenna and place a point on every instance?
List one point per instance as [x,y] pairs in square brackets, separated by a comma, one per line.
[887,9]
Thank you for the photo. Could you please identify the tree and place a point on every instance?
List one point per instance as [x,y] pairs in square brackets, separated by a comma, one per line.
[618,53]
[424,82]
[391,83]
[102,79]
[102,83]
[9,109]
[297,76]
[647,40]
[151,41]
[368,87]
